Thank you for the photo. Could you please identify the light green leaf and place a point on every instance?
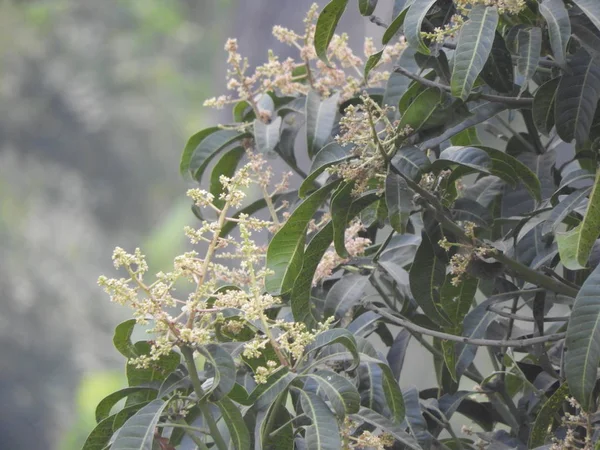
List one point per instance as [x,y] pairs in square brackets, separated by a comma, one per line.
[411,161]
[324,432]
[384,424]
[225,166]
[138,431]
[583,341]
[101,435]
[286,249]
[543,106]
[559,28]
[333,153]
[367,7]
[372,62]
[342,394]
[326,25]
[238,432]
[266,135]
[474,46]
[394,27]
[466,138]
[412,24]
[320,118]
[421,109]
[107,403]
[529,46]
[263,395]
[158,371]
[591,9]
[563,209]
[545,417]
[399,201]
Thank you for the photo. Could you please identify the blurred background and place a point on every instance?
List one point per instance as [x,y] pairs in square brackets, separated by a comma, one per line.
[97,99]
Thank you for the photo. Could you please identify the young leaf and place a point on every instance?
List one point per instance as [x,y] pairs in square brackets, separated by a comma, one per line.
[559,28]
[399,200]
[412,24]
[577,97]
[420,110]
[474,46]
[326,25]
[575,246]
[320,117]
[324,432]
[545,417]
[286,249]
[367,7]
[529,46]
[498,69]
[333,153]
[583,341]
[591,9]
[238,432]
[342,394]
[345,294]
[138,432]
[543,105]
[266,135]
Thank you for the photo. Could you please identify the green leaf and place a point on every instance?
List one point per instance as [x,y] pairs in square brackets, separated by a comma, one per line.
[101,435]
[577,97]
[276,417]
[591,9]
[497,71]
[411,161]
[342,394]
[421,109]
[324,432]
[122,339]
[225,166]
[576,245]
[222,369]
[559,28]
[394,27]
[238,432]
[457,300]
[397,83]
[326,25]
[583,341]
[107,403]
[191,146]
[384,424]
[412,24]
[264,394]
[332,154]
[466,138]
[393,394]
[427,275]
[266,135]
[372,62]
[286,249]
[335,336]
[399,201]
[545,417]
[138,431]
[529,46]
[367,7]
[340,208]
[563,209]
[543,106]
[157,371]
[320,118]
[474,46]
[345,294]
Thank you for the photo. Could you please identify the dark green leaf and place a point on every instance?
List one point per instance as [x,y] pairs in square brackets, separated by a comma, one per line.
[225,166]
[138,431]
[335,336]
[122,339]
[157,371]
[377,420]
[457,300]
[191,146]
[559,28]
[591,8]
[286,249]
[326,25]
[399,200]
[498,69]
[266,135]
[320,117]
[543,105]
[342,394]
[529,46]
[345,295]
[393,394]
[583,341]
[238,431]
[411,161]
[264,394]
[205,147]
[394,27]
[323,433]
[340,209]
[397,352]
[420,110]
[101,435]
[333,153]
[365,324]
[367,7]
[412,24]
[105,406]
[397,83]
[577,97]
[474,46]
[484,191]
[414,417]
[545,417]
[222,369]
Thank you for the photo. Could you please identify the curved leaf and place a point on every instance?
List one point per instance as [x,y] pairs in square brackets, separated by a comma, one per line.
[324,432]
[225,166]
[559,28]
[332,154]
[412,24]
[223,370]
[420,110]
[583,341]
[543,105]
[399,201]
[138,431]
[411,161]
[286,249]
[474,46]
[367,7]
[345,294]
[377,420]
[414,417]
[394,27]
[107,403]
[545,417]
[100,436]
[342,394]
[340,208]
[577,97]
[591,9]
[529,46]
[122,339]
[320,117]
[498,69]
[335,336]
[263,395]
[238,432]
[202,148]
[266,135]
[326,25]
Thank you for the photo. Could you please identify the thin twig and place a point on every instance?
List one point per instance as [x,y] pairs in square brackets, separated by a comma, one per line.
[524,318]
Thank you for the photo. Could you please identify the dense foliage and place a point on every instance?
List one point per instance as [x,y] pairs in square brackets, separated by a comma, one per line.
[452,199]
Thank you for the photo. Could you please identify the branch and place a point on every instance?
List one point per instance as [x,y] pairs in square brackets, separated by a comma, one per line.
[510,101]
[524,318]
[377,21]
[517,343]
[547,63]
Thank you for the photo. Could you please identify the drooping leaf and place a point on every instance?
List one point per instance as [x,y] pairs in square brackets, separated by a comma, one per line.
[575,246]
[377,420]
[498,69]
[225,166]
[563,209]
[474,46]
[414,417]
[223,370]
[370,386]
[286,249]
[333,153]
[529,46]
[543,105]
[394,27]
[420,110]
[266,135]
[105,406]
[577,96]
[323,433]
[583,341]
[138,431]
[412,24]
[345,294]
[559,28]
[320,117]
[411,161]
[591,9]
[399,201]
[326,25]
[341,393]
[238,432]
[545,417]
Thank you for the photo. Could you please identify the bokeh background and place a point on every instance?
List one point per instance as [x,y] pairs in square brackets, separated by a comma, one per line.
[97,99]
